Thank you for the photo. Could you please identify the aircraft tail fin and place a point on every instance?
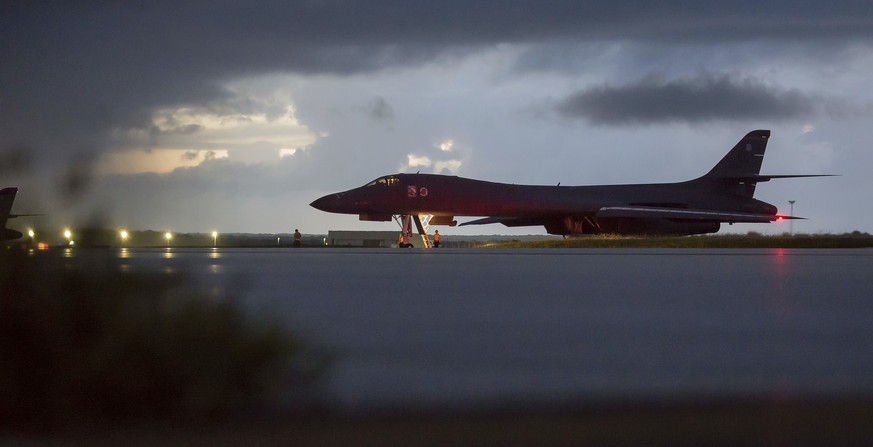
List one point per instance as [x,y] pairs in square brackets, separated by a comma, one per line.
[739,170]
[7,197]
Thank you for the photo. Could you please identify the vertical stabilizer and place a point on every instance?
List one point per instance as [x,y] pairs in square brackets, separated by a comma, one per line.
[7,197]
[738,169]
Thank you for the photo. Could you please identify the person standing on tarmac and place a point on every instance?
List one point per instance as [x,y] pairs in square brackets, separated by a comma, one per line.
[436,239]
[297,237]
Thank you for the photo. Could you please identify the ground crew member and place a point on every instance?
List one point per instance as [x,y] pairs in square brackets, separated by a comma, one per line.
[436,239]
[297,238]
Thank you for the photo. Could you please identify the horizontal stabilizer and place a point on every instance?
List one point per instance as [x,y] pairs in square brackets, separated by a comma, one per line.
[767,178]
[644,212]
[11,216]
[781,217]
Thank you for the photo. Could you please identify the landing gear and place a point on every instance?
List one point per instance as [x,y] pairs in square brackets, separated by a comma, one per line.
[421,223]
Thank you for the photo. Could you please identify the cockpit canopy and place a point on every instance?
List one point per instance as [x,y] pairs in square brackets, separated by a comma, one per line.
[385,181]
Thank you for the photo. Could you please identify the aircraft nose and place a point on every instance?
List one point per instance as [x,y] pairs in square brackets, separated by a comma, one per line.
[327,203]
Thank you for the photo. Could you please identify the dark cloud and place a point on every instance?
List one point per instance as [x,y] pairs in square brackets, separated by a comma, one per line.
[73,70]
[189,129]
[704,98]
[77,178]
[190,155]
[14,159]
[380,110]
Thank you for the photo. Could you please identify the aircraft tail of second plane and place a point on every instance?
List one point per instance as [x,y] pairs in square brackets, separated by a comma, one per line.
[7,198]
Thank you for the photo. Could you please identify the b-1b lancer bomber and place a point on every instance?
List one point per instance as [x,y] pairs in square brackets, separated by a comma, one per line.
[723,195]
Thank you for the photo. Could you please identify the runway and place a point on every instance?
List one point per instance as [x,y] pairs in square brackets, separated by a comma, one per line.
[479,327]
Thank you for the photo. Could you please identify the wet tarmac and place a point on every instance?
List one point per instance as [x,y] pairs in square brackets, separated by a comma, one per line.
[477,327]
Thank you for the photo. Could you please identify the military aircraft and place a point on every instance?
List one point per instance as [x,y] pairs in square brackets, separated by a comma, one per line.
[7,198]
[699,206]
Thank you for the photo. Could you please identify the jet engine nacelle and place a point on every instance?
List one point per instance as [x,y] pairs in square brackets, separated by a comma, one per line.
[571,226]
[630,226]
[657,227]
[444,220]
[8,235]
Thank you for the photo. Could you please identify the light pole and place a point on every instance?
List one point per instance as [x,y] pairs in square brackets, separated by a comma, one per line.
[69,235]
[791,221]
[123,236]
[214,239]
[168,236]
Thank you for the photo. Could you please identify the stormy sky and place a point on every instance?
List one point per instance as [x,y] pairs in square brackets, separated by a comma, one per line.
[194,116]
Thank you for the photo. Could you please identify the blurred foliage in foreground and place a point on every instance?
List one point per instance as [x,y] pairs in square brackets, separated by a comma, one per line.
[91,345]
[751,240]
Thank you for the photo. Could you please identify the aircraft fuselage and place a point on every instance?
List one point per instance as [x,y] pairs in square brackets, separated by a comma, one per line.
[441,195]
[723,195]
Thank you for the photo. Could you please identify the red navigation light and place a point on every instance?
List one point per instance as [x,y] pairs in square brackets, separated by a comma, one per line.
[780,217]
